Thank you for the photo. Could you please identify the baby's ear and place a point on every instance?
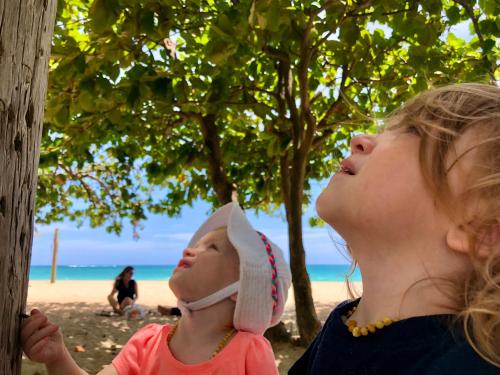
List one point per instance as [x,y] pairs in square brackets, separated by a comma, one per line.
[233,297]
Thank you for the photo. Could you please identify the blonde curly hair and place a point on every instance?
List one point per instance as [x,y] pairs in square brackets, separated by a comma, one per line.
[440,116]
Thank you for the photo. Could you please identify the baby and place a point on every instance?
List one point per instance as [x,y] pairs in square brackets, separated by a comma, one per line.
[231,284]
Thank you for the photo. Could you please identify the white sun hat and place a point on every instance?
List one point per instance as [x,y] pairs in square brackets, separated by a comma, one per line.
[264,275]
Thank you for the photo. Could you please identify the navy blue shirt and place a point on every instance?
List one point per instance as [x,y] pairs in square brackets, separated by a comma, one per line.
[427,345]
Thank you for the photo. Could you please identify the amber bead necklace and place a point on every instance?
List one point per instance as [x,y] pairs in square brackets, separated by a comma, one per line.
[357,331]
[217,350]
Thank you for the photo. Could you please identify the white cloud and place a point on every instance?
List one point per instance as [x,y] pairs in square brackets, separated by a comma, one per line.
[183,236]
[125,246]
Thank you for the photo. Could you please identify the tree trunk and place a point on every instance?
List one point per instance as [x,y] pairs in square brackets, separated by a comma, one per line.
[293,187]
[216,170]
[223,189]
[26,28]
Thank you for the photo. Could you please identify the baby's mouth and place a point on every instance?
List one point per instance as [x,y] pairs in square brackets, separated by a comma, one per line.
[346,171]
[183,263]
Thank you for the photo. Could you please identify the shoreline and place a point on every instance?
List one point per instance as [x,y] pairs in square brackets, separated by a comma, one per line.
[152,293]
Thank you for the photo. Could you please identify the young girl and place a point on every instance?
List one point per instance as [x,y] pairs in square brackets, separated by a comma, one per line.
[231,284]
[419,208]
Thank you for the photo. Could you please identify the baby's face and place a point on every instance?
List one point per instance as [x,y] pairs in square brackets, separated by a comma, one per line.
[209,266]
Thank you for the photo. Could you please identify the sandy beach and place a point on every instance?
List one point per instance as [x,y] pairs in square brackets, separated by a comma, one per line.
[95,340]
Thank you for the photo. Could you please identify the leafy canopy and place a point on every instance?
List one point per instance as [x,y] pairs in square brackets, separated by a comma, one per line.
[130,82]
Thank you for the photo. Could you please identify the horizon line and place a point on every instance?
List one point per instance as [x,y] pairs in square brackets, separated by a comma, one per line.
[159,264]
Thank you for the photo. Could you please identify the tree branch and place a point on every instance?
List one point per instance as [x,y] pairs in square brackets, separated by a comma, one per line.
[475,22]
[217,173]
[338,101]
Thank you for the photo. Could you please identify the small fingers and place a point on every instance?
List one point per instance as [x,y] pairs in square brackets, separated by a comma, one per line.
[32,324]
[37,347]
[40,335]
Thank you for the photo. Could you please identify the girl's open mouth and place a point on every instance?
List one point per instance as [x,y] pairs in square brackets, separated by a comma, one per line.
[346,167]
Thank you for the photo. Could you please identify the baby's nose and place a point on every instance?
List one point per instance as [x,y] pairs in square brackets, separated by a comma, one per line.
[188,252]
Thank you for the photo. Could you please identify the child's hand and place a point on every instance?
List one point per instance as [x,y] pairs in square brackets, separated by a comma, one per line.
[42,341]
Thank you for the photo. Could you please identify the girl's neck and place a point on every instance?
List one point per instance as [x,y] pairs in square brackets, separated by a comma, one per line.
[404,287]
[199,332]
[402,301]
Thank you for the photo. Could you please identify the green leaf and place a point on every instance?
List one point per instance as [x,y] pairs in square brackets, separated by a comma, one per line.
[153,169]
[455,42]
[133,95]
[148,22]
[432,6]
[261,110]
[488,27]
[273,148]
[62,115]
[86,101]
[453,14]
[87,84]
[349,33]
[316,222]
[115,116]
[48,159]
[490,6]
[488,45]
[103,14]
[219,51]
[162,87]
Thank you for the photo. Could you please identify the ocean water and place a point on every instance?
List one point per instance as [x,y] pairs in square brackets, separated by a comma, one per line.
[317,272]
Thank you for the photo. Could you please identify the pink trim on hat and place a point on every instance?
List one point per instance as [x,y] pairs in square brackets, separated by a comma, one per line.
[274,275]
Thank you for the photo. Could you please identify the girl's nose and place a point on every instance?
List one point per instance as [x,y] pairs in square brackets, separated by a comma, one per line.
[362,144]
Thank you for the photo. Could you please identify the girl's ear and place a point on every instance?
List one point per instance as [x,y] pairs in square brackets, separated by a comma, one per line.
[488,238]
[457,239]
[233,297]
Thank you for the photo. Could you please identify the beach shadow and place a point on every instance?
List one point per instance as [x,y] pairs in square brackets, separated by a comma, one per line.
[95,340]
[92,340]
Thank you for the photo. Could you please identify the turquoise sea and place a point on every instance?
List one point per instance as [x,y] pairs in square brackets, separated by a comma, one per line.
[319,272]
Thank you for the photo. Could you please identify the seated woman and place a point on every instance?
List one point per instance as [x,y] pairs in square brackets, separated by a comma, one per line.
[126,288]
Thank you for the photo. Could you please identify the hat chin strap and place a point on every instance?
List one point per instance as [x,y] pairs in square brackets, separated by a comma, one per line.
[210,300]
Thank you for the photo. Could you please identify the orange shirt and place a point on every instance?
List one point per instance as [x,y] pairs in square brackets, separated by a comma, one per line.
[147,353]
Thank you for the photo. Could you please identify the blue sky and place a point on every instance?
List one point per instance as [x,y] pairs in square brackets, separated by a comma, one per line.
[162,239]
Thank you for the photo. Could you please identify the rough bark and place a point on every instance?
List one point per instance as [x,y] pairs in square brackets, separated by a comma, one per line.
[292,182]
[26,28]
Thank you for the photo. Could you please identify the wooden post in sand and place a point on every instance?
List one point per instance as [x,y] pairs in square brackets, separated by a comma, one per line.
[54,257]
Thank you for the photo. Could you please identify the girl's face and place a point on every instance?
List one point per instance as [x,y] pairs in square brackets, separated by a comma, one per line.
[379,191]
[209,266]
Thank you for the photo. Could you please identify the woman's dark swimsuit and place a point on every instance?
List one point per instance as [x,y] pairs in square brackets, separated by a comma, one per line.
[125,291]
